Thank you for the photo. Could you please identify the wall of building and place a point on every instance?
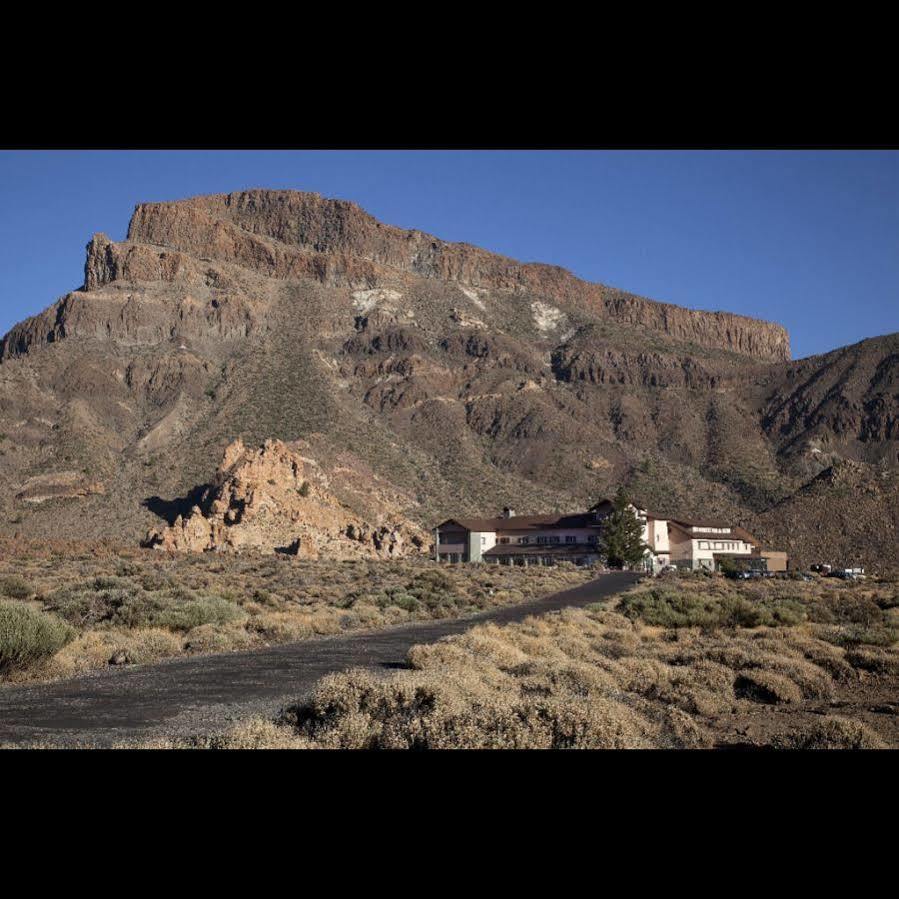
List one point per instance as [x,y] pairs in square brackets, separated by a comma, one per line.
[452,544]
[478,543]
[777,561]
[656,535]
[581,535]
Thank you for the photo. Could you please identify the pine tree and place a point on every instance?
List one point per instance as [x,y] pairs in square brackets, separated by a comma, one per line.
[621,541]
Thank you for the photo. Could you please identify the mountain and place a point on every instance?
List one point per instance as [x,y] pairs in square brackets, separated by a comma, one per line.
[423,378]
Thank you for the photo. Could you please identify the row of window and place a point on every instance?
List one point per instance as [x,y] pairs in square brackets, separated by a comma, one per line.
[721,545]
[569,538]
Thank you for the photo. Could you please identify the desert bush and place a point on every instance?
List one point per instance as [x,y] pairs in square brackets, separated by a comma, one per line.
[86,605]
[15,587]
[355,709]
[28,636]
[767,687]
[876,660]
[680,609]
[194,612]
[832,733]
[871,635]
[845,608]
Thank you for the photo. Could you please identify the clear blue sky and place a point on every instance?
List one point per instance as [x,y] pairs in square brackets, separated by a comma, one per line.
[807,239]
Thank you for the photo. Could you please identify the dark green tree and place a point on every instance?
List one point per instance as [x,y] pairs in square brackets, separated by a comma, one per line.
[621,541]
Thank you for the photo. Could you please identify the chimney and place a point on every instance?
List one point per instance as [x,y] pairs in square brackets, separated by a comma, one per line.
[507,512]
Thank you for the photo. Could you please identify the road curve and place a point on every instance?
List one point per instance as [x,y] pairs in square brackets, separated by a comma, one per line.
[204,694]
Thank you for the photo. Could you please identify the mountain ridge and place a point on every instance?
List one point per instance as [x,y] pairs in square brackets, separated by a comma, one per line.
[460,380]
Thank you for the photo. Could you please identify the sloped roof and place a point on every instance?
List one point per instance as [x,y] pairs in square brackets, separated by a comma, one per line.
[735,530]
[524,522]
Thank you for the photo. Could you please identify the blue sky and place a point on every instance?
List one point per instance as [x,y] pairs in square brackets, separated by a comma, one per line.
[808,239]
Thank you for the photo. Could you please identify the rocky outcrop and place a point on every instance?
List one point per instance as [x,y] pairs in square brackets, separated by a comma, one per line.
[273,498]
[635,369]
[340,242]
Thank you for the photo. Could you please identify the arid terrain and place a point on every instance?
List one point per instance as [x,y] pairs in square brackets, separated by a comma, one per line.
[688,663]
[676,663]
[240,430]
[69,609]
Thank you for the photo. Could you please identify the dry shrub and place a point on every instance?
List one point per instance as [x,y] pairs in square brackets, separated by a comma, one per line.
[257,733]
[579,678]
[878,661]
[832,733]
[94,649]
[15,587]
[28,636]
[356,709]
[764,686]
[212,638]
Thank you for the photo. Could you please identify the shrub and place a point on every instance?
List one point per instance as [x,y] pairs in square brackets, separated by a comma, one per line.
[877,661]
[404,601]
[15,587]
[28,636]
[767,687]
[832,733]
[678,609]
[178,614]
[86,605]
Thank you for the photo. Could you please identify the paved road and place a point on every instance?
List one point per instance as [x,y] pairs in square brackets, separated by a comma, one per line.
[203,694]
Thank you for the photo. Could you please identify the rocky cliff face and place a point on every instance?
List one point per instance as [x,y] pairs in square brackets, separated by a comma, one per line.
[425,379]
[286,234]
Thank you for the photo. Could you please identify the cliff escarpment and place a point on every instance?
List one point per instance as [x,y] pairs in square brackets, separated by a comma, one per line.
[288,234]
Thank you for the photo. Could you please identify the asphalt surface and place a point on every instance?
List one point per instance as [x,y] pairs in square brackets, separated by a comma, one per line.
[204,694]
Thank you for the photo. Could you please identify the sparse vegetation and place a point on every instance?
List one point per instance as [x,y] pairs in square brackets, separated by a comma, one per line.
[140,605]
[660,670]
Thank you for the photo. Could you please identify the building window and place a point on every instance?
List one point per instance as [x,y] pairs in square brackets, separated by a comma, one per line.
[524,539]
[570,539]
[503,540]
